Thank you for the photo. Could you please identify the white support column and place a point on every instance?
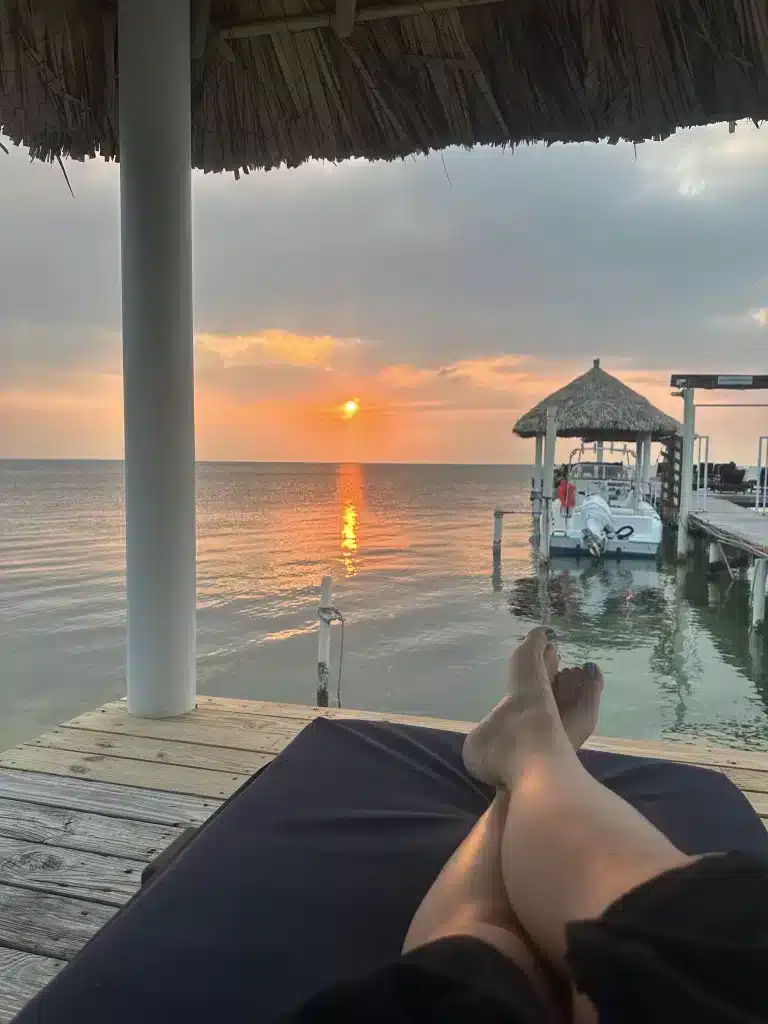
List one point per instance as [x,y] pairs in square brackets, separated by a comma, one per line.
[714,557]
[550,441]
[686,471]
[758,592]
[537,475]
[646,478]
[155,187]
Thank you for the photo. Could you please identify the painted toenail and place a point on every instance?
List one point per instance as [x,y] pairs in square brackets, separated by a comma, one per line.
[551,634]
[591,669]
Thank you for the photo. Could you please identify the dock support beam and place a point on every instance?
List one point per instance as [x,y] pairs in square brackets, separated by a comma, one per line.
[156,243]
[645,478]
[758,593]
[537,475]
[714,555]
[686,471]
[550,440]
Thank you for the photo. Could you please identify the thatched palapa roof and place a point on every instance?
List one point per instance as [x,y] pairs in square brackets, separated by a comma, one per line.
[282,81]
[598,407]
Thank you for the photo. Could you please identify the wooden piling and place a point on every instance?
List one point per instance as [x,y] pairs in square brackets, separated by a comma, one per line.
[324,641]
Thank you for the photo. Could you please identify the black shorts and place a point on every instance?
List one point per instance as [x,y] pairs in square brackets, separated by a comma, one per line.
[690,945]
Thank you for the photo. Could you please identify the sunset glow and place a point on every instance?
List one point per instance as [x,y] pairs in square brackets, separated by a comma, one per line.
[351,408]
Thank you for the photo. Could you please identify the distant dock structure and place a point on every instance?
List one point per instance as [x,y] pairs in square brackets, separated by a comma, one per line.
[594,408]
[727,526]
[597,408]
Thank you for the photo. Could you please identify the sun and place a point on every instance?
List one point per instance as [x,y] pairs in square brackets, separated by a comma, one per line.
[350,408]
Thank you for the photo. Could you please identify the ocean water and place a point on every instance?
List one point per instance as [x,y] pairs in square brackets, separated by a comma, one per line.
[428,627]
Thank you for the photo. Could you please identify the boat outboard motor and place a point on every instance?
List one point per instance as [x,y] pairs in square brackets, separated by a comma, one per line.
[597,524]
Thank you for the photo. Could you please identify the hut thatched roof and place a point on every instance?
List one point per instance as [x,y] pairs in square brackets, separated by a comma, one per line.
[598,407]
[281,81]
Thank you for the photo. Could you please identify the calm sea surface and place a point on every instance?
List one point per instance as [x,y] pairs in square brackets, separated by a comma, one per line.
[427,627]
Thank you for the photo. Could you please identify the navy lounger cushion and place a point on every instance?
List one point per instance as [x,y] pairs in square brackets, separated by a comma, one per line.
[312,872]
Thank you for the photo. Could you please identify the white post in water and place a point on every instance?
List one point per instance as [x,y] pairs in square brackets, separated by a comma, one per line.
[686,471]
[324,640]
[758,592]
[498,527]
[550,440]
[156,229]
[537,475]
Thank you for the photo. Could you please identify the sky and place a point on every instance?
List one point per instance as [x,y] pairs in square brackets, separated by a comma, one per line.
[446,295]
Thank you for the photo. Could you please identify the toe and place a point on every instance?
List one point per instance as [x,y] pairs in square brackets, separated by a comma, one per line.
[551,661]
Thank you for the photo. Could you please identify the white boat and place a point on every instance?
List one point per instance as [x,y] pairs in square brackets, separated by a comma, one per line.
[599,509]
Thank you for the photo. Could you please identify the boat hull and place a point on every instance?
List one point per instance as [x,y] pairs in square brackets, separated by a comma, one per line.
[567,532]
[562,544]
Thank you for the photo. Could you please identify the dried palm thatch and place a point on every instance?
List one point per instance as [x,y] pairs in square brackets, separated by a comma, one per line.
[281,81]
[598,407]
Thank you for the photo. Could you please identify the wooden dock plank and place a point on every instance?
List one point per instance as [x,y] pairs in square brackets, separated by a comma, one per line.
[306,713]
[22,975]
[266,735]
[81,830]
[142,748]
[685,753]
[89,876]
[729,523]
[126,802]
[123,771]
[53,926]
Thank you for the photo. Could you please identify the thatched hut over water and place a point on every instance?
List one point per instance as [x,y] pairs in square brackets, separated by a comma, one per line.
[599,407]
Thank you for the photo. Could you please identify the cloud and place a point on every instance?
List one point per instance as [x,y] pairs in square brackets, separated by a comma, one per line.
[269,348]
[404,376]
[482,294]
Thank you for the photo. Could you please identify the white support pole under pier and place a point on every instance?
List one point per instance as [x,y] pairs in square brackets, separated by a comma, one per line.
[714,558]
[324,640]
[156,243]
[758,592]
[646,474]
[550,440]
[537,475]
[686,471]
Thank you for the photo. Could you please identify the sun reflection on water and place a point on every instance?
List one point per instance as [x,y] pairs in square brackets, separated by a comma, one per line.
[350,484]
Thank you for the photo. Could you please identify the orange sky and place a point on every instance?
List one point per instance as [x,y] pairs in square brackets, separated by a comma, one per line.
[448,294]
[281,396]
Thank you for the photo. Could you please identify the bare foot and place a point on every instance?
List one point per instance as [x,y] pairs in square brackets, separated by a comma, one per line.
[577,693]
[544,706]
[526,722]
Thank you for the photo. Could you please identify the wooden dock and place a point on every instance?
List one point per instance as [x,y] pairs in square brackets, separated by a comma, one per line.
[86,806]
[733,525]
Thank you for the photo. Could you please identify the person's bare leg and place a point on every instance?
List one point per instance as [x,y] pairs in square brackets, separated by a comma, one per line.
[469,896]
[571,847]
